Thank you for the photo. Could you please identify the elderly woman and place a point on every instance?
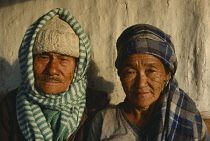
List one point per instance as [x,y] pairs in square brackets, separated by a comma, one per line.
[155,108]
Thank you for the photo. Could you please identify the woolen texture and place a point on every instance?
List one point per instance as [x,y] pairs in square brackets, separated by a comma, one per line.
[57,36]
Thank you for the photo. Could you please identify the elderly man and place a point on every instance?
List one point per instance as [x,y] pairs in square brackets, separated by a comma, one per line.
[50,102]
[155,108]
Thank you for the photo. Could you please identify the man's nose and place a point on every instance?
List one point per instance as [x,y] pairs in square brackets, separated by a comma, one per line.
[52,67]
[141,80]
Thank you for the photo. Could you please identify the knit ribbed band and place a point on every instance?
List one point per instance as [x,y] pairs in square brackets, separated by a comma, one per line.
[143,38]
[57,36]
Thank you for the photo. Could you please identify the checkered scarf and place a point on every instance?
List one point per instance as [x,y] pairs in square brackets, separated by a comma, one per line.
[180,117]
[64,111]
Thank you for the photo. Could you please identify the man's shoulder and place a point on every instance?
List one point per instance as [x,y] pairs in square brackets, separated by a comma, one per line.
[8,102]
[9,128]
[9,96]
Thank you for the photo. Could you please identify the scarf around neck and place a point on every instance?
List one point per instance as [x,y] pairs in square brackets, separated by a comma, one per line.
[180,117]
[63,111]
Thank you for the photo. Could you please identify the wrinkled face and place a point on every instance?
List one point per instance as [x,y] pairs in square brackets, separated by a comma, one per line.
[142,77]
[53,72]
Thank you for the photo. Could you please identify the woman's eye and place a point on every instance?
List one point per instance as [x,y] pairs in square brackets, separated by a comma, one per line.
[131,72]
[151,71]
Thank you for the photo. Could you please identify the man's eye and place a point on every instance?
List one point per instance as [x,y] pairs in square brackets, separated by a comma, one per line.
[44,57]
[63,59]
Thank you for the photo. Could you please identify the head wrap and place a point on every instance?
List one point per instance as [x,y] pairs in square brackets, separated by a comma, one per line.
[143,38]
[62,112]
[57,36]
[180,118]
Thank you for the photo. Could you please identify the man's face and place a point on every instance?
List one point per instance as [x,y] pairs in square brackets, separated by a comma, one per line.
[53,72]
[142,77]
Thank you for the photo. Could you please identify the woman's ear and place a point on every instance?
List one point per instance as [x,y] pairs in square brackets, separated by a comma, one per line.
[168,76]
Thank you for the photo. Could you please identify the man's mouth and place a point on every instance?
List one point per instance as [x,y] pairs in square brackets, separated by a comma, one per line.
[49,79]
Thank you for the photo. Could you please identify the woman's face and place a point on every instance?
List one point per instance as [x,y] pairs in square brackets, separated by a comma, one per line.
[142,77]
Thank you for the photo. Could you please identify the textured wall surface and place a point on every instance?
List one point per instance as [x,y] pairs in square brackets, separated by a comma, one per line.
[187,21]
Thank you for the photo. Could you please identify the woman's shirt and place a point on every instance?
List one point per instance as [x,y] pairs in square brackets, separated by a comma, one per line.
[112,124]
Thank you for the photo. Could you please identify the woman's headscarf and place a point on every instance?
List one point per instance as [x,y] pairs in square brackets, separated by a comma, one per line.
[63,112]
[180,117]
[143,38]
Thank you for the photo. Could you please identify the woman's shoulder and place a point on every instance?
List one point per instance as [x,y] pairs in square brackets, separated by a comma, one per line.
[109,124]
[111,112]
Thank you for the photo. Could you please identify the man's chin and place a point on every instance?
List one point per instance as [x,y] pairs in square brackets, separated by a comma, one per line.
[52,90]
[51,87]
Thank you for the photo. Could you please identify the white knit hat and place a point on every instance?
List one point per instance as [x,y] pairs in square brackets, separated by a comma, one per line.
[57,36]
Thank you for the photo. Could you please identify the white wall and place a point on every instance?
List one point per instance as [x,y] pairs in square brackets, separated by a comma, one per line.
[187,21]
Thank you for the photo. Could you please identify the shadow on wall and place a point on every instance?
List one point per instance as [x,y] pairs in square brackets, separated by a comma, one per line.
[98,82]
[9,75]
[4,3]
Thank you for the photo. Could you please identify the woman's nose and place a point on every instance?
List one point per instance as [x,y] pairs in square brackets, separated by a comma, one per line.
[141,80]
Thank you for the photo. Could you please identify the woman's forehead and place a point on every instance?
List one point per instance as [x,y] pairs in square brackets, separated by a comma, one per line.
[142,58]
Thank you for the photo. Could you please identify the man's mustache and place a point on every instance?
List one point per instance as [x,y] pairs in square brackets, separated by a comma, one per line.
[46,78]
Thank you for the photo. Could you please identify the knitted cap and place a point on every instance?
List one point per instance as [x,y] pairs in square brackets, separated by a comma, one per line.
[143,38]
[57,36]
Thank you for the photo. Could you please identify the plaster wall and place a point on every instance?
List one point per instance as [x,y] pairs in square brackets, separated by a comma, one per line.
[187,21]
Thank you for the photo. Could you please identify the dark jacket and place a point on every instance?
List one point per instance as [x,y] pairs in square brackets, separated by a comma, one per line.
[9,128]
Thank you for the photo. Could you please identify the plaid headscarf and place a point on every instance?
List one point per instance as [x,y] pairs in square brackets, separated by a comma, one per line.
[63,111]
[180,117]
